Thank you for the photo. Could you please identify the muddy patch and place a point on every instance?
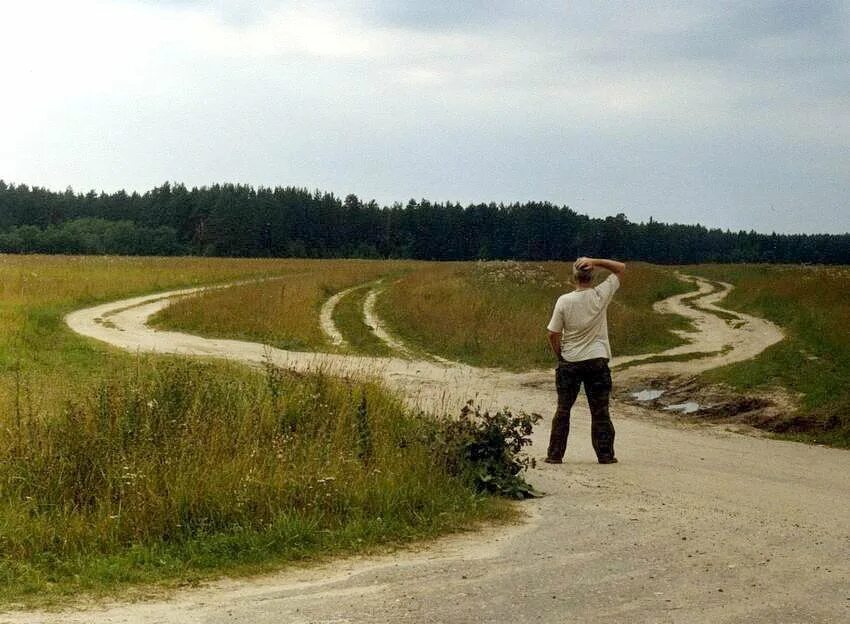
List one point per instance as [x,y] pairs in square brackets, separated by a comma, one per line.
[688,407]
[689,398]
[649,394]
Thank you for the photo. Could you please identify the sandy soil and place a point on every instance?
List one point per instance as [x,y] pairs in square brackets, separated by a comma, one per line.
[695,524]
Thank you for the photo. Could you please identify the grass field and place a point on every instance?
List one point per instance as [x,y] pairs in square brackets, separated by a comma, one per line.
[119,469]
[36,292]
[283,312]
[486,314]
[495,314]
[812,306]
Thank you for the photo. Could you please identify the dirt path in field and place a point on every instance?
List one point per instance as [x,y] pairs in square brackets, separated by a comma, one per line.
[326,321]
[695,524]
[727,335]
[372,320]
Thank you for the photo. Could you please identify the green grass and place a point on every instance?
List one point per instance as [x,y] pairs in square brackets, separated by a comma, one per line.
[37,291]
[812,307]
[172,469]
[681,357]
[716,286]
[482,313]
[348,317]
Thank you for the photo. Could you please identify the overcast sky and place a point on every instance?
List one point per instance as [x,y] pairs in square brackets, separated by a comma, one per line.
[730,114]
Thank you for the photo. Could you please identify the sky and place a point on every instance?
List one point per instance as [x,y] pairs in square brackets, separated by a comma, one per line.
[732,114]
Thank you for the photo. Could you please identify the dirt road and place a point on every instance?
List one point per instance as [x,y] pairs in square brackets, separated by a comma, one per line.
[695,524]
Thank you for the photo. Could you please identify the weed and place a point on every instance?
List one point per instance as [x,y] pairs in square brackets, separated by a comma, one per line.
[364,433]
[486,449]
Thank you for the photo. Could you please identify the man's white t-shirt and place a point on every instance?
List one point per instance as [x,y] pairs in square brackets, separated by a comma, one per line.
[581,318]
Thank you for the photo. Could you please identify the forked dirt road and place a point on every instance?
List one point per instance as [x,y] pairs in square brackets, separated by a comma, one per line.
[695,524]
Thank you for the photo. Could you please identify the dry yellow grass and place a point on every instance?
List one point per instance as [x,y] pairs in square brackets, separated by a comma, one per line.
[40,354]
[495,313]
[76,280]
[283,312]
[484,313]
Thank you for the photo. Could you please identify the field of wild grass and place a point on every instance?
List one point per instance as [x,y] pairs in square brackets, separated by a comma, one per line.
[495,313]
[348,318]
[812,306]
[119,469]
[169,469]
[37,291]
[482,313]
[282,312]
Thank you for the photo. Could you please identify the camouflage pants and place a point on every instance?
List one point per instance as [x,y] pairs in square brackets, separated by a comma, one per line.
[596,377]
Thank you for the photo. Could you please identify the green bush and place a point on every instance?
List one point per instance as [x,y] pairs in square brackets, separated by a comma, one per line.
[486,449]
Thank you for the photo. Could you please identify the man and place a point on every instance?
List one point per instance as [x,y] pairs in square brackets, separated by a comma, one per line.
[578,334]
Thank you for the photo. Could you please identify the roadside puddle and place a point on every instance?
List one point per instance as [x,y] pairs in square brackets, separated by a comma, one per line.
[688,407]
[647,395]
[653,394]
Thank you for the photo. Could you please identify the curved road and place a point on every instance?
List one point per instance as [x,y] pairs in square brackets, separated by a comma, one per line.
[695,524]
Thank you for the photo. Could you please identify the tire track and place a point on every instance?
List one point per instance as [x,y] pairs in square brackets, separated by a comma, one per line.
[326,321]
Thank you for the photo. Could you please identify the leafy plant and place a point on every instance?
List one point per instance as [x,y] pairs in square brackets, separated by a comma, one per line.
[486,449]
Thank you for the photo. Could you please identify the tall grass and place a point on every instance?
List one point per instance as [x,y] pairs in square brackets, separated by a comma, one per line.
[495,314]
[812,306]
[482,313]
[213,466]
[283,312]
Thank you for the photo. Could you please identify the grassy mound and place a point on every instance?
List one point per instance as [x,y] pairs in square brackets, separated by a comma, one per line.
[348,317]
[283,312]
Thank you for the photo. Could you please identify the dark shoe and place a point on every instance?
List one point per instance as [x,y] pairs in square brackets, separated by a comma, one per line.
[607,460]
[552,460]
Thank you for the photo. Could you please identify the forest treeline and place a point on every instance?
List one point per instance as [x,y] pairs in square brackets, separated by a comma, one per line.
[240,220]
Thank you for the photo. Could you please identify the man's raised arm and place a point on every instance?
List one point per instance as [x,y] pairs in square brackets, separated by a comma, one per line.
[617,268]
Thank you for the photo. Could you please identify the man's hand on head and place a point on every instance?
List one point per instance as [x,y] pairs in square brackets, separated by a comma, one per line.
[584,263]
